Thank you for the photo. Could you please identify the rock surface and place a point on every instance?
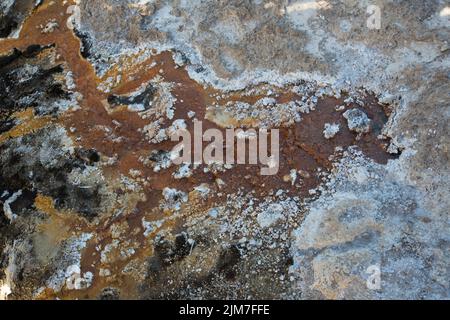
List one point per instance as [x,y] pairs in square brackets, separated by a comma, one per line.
[92,205]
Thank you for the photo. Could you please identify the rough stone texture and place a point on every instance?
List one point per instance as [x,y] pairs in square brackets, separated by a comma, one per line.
[277,40]
[386,224]
[72,153]
[32,79]
[12,15]
[375,221]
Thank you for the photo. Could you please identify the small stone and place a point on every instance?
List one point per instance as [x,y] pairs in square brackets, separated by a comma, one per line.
[357,120]
[330,130]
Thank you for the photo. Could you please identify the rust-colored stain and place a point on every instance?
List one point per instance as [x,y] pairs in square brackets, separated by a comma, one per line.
[303,146]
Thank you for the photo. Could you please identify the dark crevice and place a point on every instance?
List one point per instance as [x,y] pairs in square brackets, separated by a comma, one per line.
[86,43]
[144,98]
